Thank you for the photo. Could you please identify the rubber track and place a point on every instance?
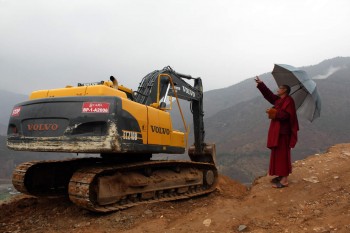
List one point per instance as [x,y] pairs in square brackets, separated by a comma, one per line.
[19,175]
[82,182]
[20,172]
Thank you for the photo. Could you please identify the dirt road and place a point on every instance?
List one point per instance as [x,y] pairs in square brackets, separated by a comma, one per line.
[317,200]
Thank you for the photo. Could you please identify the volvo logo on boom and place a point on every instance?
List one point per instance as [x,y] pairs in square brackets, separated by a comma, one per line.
[160,130]
[188,91]
[42,127]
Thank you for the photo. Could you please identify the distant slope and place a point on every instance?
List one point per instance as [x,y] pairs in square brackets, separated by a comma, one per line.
[3,129]
[219,99]
[9,159]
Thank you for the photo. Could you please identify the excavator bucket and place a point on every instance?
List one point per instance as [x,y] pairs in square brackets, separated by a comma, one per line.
[208,155]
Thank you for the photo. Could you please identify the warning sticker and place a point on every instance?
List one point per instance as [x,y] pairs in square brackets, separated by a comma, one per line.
[16,111]
[95,107]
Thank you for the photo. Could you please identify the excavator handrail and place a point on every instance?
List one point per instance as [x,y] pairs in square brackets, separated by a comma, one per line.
[177,101]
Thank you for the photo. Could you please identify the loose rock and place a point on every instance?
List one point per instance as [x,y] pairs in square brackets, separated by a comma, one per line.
[320,229]
[148,212]
[242,228]
[207,222]
[312,179]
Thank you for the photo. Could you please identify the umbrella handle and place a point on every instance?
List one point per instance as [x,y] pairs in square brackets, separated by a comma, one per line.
[300,87]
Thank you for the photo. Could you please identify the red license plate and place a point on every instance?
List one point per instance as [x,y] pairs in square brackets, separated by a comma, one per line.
[95,107]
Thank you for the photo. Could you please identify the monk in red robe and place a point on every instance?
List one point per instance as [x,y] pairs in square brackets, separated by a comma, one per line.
[282,135]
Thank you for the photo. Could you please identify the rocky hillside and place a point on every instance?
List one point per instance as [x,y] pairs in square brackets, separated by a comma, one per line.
[317,200]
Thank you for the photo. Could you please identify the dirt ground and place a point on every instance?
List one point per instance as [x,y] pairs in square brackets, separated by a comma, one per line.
[317,200]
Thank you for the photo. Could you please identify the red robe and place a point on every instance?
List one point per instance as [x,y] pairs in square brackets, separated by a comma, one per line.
[282,135]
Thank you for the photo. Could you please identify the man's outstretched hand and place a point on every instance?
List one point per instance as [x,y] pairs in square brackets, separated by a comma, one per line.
[257,80]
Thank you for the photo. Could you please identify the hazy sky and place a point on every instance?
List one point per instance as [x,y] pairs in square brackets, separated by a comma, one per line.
[50,43]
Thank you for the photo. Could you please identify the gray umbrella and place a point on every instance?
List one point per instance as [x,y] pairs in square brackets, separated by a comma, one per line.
[303,90]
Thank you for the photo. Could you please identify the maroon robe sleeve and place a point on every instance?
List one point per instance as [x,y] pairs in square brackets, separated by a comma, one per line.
[267,93]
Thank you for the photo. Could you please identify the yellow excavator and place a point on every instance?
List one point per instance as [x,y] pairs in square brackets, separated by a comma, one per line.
[125,128]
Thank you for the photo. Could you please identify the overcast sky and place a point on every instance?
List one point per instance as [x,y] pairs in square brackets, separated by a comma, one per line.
[49,44]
